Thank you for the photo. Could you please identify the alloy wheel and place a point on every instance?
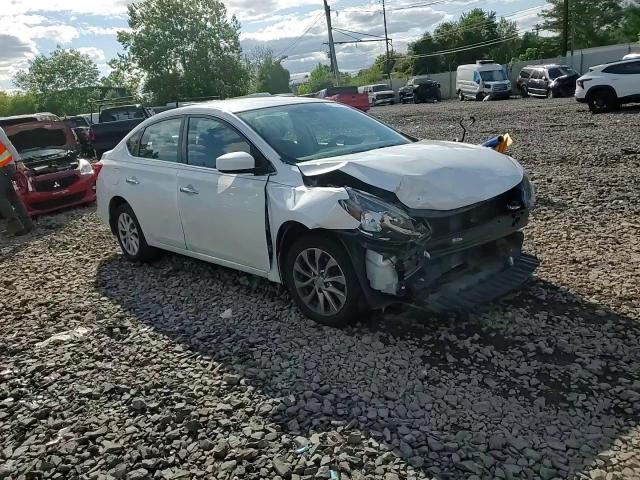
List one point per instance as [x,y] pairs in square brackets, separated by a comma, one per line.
[128,233]
[319,281]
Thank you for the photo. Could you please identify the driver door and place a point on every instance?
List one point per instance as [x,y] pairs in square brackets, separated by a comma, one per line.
[223,214]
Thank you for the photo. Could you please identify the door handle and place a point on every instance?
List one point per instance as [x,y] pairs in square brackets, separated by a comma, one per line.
[189,190]
[132,181]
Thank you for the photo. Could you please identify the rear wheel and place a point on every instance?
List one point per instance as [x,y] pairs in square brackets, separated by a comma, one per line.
[602,101]
[132,241]
[321,279]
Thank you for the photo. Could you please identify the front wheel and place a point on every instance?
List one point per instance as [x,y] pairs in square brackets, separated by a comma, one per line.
[321,279]
[130,237]
[602,101]
[524,92]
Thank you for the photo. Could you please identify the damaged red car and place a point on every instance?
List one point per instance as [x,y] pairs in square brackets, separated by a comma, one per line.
[55,176]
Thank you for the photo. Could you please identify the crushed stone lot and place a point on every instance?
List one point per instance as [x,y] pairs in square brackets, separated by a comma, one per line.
[181,369]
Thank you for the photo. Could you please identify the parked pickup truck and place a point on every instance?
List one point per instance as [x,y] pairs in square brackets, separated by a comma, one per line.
[113,125]
[347,95]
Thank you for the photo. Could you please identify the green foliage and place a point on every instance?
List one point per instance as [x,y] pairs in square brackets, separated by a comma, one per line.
[591,22]
[271,76]
[319,78]
[630,29]
[185,49]
[17,103]
[63,82]
[473,27]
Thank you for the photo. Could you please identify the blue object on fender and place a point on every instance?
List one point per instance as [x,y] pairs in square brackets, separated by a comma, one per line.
[493,142]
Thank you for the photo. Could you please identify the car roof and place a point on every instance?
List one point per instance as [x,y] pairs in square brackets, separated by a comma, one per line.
[615,62]
[37,117]
[548,65]
[243,104]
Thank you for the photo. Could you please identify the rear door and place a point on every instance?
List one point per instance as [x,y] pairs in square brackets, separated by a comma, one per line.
[535,82]
[625,78]
[147,181]
[223,214]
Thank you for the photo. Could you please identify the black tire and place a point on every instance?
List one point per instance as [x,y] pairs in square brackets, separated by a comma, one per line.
[524,91]
[350,308]
[124,219]
[460,96]
[416,99]
[602,101]
[553,93]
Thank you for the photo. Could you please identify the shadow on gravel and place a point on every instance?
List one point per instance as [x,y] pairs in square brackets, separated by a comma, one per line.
[540,385]
[12,245]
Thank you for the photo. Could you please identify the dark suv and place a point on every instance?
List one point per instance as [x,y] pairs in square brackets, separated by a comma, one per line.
[547,81]
[420,89]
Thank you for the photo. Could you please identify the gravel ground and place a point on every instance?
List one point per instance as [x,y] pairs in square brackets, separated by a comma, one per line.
[182,369]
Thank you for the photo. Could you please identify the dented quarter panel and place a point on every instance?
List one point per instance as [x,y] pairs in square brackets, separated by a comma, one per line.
[431,175]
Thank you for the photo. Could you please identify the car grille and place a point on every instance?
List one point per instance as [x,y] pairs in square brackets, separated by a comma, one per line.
[58,201]
[477,215]
[54,184]
[499,88]
[384,96]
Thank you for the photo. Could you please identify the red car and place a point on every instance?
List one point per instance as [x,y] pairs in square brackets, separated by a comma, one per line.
[55,177]
[348,96]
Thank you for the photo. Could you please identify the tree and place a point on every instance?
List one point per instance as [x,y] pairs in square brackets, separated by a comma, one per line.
[17,103]
[185,49]
[319,79]
[123,76]
[591,22]
[630,30]
[63,82]
[272,77]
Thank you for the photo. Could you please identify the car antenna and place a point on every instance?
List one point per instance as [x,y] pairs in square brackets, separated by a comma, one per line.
[464,128]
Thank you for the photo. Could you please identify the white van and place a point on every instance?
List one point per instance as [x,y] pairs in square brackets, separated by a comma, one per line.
[482,79]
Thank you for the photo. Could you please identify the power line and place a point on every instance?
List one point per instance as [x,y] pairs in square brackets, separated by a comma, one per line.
[463,48]
[295,42]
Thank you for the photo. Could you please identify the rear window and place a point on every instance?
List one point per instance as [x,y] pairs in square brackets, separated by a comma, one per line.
[331,91]
[118,114]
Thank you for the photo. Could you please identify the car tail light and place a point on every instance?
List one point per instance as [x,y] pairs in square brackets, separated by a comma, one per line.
[96,168]
[581,82]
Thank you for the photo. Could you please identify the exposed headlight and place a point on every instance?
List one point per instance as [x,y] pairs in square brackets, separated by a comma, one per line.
[380,219]
[85,167]
[528,191]
[553,84]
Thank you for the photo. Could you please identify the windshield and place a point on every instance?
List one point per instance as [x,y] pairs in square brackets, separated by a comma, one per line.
[380,88]
[560,71]
[493,75]
[311,131]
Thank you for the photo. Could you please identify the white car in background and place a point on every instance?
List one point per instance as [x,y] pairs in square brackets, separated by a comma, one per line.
[347,212]
[380,94]
[606,87]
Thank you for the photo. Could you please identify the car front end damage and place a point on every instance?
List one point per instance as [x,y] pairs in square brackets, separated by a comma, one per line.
[440,223]
[453,260]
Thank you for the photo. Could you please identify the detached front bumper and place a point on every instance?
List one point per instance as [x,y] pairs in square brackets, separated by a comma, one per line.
[80,192]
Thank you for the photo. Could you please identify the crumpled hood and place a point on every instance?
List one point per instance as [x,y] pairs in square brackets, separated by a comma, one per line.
[430,174]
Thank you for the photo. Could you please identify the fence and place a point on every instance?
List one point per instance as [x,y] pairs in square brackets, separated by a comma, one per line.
[580,61]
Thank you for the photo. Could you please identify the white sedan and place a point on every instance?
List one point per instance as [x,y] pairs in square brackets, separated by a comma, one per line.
[348,213]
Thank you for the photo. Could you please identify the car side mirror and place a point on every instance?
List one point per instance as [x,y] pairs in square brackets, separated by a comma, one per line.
[235,162]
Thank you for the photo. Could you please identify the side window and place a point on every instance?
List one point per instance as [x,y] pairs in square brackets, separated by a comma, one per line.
[629,68]
[524,74]
[208,138]
[476,77]
[160,140]
[133,143]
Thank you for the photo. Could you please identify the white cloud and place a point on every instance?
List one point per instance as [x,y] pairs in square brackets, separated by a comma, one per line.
[96,54]
[99,7]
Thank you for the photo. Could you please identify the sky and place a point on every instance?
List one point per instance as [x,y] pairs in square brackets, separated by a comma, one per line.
[295,28]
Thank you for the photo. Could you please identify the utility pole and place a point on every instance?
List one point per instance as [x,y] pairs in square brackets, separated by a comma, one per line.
[565,29]
[332,48]
[386,40]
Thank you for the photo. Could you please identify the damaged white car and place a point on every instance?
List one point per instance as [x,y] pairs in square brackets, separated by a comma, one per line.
[348,213]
